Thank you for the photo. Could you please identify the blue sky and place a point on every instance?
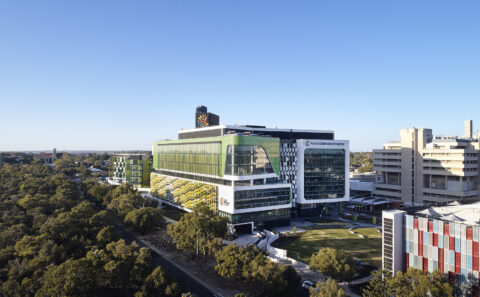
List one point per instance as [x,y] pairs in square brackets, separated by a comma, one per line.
[121,74]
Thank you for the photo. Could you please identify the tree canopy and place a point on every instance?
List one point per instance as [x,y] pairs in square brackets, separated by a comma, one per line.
[145,219]
[59,240]
[328,289]
[413,283]
[195,230]
[337,264]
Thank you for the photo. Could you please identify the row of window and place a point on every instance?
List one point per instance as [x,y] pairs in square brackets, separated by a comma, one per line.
[258,216]
[324,173]
[202,158]
[247,160]
[261,198]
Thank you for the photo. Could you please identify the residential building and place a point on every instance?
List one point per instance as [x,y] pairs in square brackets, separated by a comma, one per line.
[132,168]
[252,174]
[444,238]
[422,169]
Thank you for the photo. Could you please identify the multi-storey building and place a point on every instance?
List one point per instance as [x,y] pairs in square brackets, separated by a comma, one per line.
[252,174]
[316,165]
[444,238]
[131,168]
[421,169]
[235,175]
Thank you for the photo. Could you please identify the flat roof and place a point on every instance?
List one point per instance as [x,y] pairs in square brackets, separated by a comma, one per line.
[250,128]
[468,213]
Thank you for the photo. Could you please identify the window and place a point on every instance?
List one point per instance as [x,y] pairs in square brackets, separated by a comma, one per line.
[202,158]
[324,173]
[247,160]
[261,198]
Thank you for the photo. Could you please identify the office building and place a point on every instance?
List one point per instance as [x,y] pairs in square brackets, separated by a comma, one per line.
[132,168]
[444,238]
[252,174]
[422,169]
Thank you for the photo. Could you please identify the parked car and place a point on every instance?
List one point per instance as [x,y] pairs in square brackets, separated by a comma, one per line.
[308,284]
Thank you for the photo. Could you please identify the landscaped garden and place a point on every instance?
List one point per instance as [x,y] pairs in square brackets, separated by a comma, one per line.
[367,249]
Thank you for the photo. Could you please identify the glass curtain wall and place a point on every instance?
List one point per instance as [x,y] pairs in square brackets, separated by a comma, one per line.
[261,198]
[202,158]
[324,173]
[247,160]
[274,217]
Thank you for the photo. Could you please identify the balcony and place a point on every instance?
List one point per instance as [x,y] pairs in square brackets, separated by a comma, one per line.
[385,169]
[387,186]
[386,163]
[460,194]
[449,172]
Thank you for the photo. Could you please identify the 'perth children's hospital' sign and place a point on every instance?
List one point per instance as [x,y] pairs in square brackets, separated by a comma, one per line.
[311,142]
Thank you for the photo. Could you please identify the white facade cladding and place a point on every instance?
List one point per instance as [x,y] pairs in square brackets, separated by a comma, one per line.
[392,241]
[322,171]
[231,200]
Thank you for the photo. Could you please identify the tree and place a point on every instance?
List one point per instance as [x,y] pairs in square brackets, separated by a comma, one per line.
[145,219]
[335,263]
[119,263]
[106,235]
[229,262]
[377,287]
[250,265]
[328,289]
[71,278]
[266,276]
[291,276]
[157,284]
[196,229]
[414,283]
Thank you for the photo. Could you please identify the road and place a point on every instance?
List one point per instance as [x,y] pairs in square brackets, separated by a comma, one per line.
[173,271]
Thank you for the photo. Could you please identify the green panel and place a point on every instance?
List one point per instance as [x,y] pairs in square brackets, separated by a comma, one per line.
[146,169]
[127,170]
[270,144]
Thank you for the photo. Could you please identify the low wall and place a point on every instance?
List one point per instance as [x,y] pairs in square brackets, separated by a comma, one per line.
[272,251]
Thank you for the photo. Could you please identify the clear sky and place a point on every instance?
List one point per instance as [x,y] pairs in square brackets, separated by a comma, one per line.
[120,74]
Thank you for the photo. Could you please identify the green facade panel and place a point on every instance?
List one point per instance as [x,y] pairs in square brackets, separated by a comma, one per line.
[208,155]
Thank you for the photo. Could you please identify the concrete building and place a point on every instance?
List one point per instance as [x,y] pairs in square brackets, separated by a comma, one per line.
[422,169]
[445,238]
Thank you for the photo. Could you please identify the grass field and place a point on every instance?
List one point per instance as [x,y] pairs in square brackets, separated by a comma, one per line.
[367,249]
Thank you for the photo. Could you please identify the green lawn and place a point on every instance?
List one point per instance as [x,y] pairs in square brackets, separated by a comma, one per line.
[366,249]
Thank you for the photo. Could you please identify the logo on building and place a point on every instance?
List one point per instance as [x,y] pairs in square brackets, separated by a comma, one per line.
[224,202]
